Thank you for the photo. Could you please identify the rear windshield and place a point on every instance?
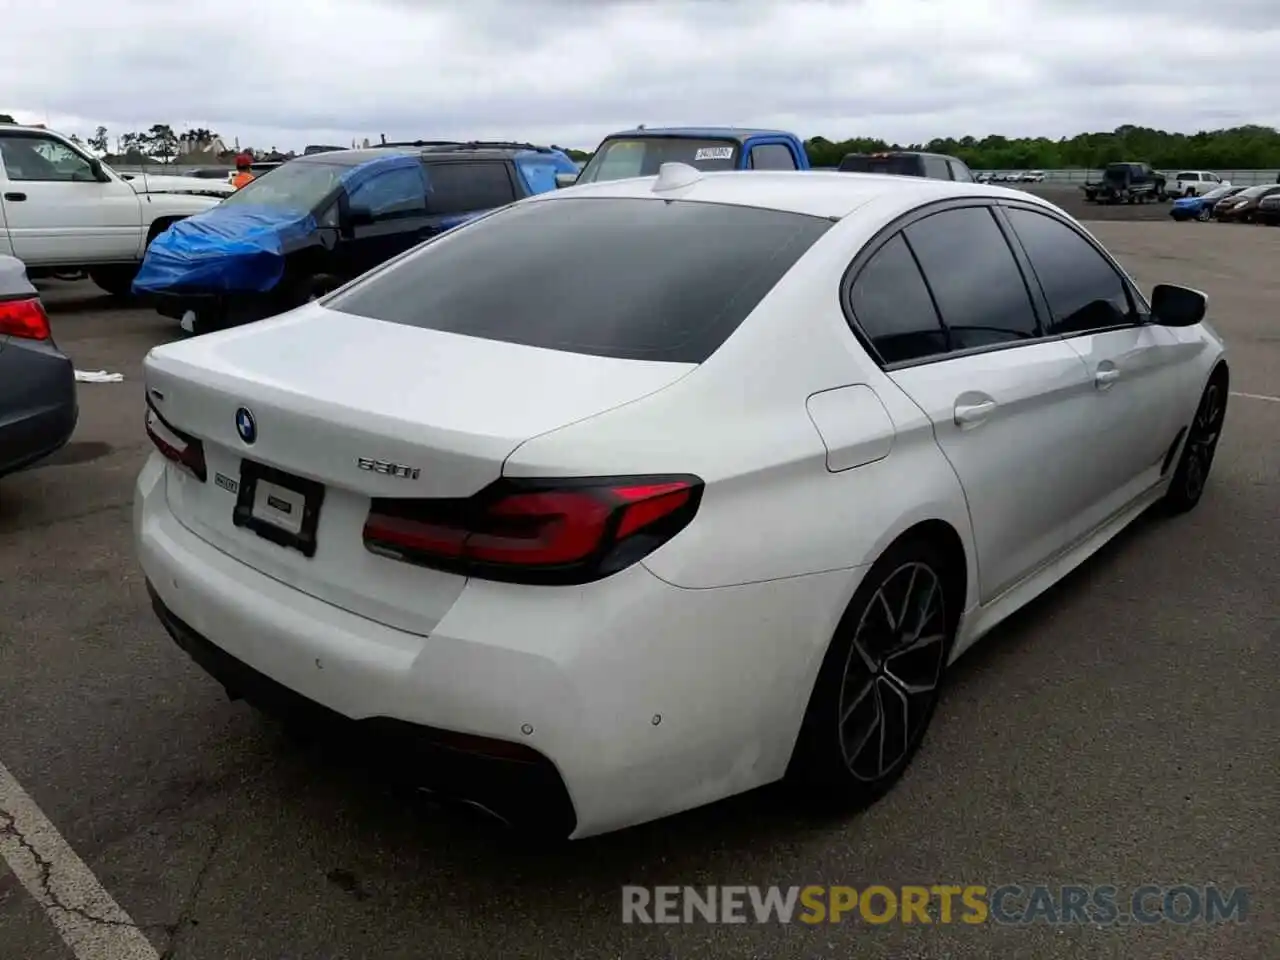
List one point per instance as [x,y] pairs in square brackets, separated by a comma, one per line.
[620,158]
[610,277]
[908,166]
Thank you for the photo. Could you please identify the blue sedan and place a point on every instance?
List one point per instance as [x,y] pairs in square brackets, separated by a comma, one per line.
[1200,208]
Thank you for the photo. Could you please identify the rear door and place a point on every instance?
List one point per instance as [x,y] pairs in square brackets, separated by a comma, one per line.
[1139,372]
[946,306]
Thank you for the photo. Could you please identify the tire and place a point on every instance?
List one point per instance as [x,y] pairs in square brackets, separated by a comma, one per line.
[116,280]
[1194,463]
[313,287]
[839,764]
[1205,215]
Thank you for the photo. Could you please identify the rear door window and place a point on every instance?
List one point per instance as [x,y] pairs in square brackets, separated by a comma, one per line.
[771,156]
[629,278]
[892,306]
[974,277]
[468,186]
[936,168]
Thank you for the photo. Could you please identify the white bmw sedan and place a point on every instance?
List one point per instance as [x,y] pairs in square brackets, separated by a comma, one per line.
[636,495]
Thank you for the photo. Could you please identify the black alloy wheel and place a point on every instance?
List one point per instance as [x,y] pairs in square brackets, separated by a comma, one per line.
[880,681]
[1192,474]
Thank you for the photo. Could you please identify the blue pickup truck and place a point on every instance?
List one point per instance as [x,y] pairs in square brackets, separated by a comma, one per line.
[640,152]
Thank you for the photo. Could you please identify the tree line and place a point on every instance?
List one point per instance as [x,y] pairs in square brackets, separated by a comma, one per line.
[1249,147]
[1238,148]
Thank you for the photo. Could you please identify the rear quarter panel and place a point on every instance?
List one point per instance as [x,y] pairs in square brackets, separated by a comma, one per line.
[772,508]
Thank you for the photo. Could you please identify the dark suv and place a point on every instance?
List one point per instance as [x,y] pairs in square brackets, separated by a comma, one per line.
[908,163]
[315,222]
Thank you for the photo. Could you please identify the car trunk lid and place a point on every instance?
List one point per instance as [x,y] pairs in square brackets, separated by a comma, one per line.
[360,408]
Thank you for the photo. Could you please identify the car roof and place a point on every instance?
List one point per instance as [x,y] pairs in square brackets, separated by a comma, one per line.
[740,134]
[901,153]
[817,193]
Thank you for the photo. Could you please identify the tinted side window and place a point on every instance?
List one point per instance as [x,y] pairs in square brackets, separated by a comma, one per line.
[936,168]
[1084,291]
[960,172]
[468,187]
[974,278]
[392,194]
[892,306]
[772,156]
[635,279]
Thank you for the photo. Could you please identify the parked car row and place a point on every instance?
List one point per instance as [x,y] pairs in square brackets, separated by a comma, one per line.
[1230,204]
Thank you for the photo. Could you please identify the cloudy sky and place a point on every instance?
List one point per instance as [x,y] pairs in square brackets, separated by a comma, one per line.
[294,72]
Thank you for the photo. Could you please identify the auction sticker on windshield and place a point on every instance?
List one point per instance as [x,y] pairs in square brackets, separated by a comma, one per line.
[714,153]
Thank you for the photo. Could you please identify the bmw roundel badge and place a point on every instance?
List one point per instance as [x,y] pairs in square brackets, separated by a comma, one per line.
[246,426]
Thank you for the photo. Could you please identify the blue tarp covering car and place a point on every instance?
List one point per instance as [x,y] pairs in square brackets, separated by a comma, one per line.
[242,246]
[224,248]
[316,222]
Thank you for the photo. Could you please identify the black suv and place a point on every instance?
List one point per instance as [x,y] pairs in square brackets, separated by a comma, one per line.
[908,163]
[315,222]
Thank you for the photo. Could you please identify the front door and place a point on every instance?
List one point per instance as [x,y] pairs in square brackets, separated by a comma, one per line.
[58,212]
[1139,372]
[945,305]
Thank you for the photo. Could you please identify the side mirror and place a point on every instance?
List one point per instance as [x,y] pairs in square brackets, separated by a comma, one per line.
[566,180]
[1175,306]
[95,167]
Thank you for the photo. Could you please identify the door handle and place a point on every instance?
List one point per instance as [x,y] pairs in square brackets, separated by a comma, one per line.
[15,197]
[967,414]
[1104,378]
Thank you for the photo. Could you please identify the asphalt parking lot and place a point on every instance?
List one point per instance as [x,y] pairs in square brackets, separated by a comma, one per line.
[1125,730]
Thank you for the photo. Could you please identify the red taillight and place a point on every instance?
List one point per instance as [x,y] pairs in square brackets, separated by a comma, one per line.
[570,531]
[24,318]
[186,451]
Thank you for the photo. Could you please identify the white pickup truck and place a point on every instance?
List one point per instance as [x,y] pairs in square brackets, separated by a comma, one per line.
[62,211]
[1194,183]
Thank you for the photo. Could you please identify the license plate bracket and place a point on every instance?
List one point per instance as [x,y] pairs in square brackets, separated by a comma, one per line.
[279,506]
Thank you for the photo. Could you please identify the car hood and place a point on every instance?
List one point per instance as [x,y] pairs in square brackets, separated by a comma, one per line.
[145,183]
[227,248]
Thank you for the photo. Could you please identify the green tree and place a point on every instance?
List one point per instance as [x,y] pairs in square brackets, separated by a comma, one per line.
[1236,148]
[161,141]
[99,141]
[7,118]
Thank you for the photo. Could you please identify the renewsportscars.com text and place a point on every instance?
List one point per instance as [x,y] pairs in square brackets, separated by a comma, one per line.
[1101,905]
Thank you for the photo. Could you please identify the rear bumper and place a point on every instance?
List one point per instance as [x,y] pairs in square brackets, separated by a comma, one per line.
[489,774]
[645,699]
[38,407]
